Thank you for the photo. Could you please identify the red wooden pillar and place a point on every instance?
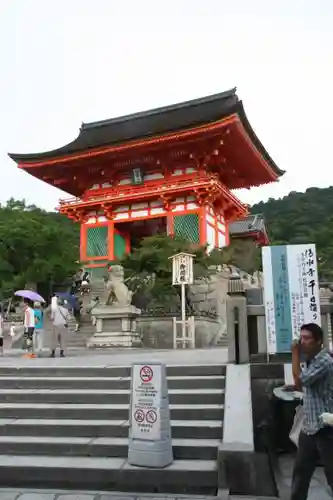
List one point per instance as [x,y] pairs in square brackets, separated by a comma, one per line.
[111,240]
[170,224]
[83,242]
[202,225]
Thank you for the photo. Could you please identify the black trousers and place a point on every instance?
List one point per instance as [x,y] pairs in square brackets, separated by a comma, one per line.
[28,336]
[310,450]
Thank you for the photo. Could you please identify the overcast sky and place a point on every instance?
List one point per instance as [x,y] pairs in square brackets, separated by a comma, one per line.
[64,62]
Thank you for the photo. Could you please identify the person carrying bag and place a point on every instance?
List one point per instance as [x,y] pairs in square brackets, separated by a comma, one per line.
[311,431]
[60,318]
[297,425]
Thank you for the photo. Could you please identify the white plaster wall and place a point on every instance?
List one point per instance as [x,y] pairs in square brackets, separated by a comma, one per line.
[210,233]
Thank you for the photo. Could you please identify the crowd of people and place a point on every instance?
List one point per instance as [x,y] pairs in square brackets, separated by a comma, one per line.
[34,326]
[62,308]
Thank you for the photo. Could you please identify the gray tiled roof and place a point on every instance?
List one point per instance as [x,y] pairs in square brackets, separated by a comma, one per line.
[252,223]
[155,122]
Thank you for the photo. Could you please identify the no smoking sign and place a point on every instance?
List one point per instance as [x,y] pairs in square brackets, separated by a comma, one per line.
[146,374]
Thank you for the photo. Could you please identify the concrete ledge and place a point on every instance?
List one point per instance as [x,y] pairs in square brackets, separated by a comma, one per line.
[241,470]
[238,425]
[246,473]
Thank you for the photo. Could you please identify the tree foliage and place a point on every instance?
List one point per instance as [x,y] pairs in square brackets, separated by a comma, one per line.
[303,218]
[149,268]
[151,263]
[35,246]
[243,253]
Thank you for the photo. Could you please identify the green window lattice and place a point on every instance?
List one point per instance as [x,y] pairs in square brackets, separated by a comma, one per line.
[187,226]
[119,246]
[97,245]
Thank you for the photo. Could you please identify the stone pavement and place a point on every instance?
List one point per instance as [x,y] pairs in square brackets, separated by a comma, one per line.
[118,357]
[318,490]
[77,357]
[17,494]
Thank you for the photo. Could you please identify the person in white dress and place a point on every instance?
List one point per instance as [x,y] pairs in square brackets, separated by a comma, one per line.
[29,325]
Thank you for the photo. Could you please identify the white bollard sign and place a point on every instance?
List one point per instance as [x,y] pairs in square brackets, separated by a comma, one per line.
[150,429]
[146,402]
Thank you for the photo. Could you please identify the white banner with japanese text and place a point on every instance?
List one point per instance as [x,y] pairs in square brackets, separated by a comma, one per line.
[291,293]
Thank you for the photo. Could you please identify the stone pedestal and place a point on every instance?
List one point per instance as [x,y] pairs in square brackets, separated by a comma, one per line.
[115,327]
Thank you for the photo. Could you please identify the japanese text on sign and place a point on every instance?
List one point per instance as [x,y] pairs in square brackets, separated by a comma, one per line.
[182,269]
[146,402]
[291,293]
[312,281]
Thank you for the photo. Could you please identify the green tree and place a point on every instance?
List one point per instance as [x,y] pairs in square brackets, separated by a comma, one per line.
[150,267]
[35,245]
[242,253]
[303,218]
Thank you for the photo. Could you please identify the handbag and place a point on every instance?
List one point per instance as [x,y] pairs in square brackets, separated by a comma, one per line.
[297,425]
[63,317]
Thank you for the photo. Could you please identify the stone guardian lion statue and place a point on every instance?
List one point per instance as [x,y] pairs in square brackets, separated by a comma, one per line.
[117,292]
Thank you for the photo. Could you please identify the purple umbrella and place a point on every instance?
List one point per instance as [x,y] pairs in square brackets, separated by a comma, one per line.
[29,294]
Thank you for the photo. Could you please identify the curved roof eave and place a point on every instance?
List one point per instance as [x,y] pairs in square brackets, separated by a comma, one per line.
[140,125]
[154,122]
[256,141]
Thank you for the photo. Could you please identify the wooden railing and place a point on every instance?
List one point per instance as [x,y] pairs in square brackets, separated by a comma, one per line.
[174,186]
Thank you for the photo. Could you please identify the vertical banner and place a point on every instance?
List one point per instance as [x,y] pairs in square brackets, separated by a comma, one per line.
[291,293]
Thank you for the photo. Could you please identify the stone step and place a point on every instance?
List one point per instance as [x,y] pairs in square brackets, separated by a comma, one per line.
[104,411]
[183,449]
[100,396]
[189,429]
[174,382]
[74,339]
[104,473]
[107,371]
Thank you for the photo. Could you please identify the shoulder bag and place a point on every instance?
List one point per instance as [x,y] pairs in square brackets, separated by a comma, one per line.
[63,317]
[297,425]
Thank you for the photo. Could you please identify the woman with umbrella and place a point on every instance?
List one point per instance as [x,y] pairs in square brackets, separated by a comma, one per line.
[29,316]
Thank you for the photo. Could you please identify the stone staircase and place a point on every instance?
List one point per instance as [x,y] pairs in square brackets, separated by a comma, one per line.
[74,339]
[55,434]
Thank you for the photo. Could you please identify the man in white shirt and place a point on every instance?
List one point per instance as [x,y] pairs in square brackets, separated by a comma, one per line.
[29,325]
[60,318]
[54,303]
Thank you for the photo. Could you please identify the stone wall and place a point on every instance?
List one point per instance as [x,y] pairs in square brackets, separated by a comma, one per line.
[208,297]
[264,378]
[211,295]
[157,332]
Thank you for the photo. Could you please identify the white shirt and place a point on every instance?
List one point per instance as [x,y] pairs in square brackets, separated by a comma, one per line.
[54,303]
[1,326]
[29,318]
[60,316]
